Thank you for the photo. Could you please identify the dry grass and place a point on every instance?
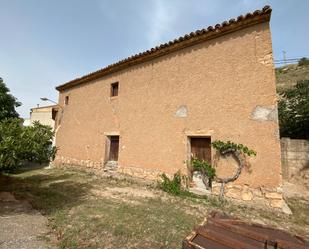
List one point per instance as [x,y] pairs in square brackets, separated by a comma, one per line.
[287,76]
[87,211]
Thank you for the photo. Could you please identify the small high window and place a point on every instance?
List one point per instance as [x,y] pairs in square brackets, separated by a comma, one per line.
[114,89]
[66,100]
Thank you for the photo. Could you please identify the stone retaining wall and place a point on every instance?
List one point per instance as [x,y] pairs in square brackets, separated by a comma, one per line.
[150,174]
[294,156]
[271,198]
[61,160]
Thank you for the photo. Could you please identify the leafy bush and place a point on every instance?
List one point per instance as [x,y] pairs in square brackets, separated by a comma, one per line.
[204,167]
[293,109]
[18,143]
[171,186]
[303,62]
[10,144]
[223,146]
[37,143]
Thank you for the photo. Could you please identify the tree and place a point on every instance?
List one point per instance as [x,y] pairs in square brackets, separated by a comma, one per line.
[10,144]
[208,171]
[19,144]
[303,62]
[239,152]
[293,109]
[8,103]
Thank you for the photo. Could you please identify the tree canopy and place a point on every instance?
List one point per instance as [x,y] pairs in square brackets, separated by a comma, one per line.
[8,102]
[293,110]
[18,143]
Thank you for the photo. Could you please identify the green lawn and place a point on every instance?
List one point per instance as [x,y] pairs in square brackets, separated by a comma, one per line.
[90,211]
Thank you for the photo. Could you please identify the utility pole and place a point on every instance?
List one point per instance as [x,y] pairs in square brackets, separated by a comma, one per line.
[284,57]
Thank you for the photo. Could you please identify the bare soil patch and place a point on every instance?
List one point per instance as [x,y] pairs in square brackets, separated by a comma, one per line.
[21,225]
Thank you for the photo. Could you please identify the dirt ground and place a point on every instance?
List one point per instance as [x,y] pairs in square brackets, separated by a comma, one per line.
[22,227]
[78,209]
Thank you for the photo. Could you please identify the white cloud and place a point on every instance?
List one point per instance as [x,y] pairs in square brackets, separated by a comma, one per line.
[161,20]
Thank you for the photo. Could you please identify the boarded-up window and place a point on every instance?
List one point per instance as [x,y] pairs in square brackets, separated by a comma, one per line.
[201,148]
[114,148]
[114,89]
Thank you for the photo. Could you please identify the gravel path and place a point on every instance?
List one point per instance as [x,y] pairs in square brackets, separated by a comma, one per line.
[21,227]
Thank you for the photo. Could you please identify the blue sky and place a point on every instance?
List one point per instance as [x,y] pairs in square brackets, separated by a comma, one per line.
[45,43]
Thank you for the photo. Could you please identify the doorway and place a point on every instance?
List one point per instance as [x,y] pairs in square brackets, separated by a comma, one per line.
[114,148]
[200,148]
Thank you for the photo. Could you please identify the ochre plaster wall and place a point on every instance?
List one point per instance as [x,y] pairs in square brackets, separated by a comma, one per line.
[227,86]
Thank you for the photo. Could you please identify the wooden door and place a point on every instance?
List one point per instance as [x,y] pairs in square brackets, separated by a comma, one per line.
[201,148]
[114,148]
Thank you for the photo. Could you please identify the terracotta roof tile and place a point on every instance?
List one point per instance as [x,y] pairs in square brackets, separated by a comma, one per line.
[191,39]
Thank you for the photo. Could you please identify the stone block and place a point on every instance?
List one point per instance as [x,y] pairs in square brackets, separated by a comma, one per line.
[215,190]
[276,203]
[273,195]
[257,193]
[246,195]
[233,193]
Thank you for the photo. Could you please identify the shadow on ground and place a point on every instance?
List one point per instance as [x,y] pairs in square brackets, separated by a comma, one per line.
[48,193]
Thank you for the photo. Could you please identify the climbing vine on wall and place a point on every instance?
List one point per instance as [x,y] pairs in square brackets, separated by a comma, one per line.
[208,172]
[238,151]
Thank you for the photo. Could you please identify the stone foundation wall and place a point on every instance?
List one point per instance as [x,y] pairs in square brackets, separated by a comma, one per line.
[140,173]
[263,197]
[61,160]
[150,174]
[272,198]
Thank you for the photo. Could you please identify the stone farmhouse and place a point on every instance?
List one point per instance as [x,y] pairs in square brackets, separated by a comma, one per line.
[148,113]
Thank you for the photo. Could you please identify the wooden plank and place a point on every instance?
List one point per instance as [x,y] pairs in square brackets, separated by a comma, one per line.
[201,148]
[222,231]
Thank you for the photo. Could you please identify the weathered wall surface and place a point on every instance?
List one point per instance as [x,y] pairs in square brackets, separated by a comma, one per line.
[295,156]
[223,88]
[43,115]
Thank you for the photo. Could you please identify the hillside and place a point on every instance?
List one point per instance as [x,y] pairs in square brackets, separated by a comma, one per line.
[287,76]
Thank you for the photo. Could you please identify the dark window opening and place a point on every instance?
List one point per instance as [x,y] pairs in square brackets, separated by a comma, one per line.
[114,89]
[66,101]
[114,148]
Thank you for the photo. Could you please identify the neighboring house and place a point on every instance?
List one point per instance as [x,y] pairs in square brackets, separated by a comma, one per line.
[42,114]
[150,112]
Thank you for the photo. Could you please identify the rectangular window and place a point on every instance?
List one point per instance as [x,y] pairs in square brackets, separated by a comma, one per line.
[66,101]
[114,148]
[114,89]
[201,148]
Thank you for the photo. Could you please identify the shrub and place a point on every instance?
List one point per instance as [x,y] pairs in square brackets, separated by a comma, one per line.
[204,167]
[10,144]
[37,143]
[303,62]
[18,143]
[171,186]
[293,110]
